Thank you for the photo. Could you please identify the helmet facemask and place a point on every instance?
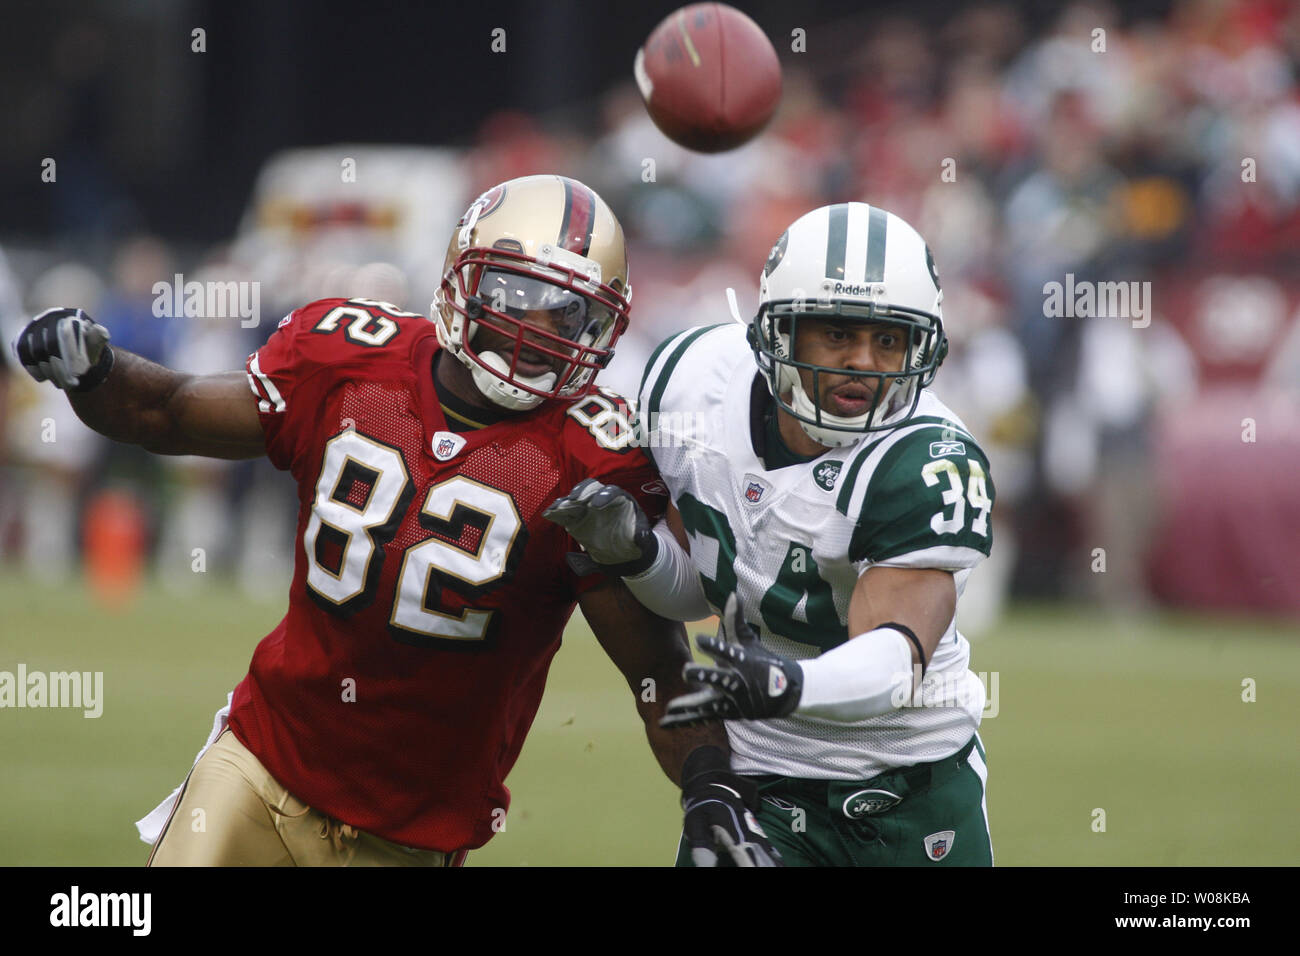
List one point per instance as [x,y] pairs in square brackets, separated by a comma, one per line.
[895,394]
[496,289]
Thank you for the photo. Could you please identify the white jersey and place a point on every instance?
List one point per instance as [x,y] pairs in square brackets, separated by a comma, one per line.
[792,541]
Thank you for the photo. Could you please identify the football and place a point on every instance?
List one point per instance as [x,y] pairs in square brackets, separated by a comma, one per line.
[709,77]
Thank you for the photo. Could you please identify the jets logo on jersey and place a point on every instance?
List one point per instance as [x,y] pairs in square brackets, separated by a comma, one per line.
[866,802]
[940,449]
[826,474]
[938,844]
[446,445]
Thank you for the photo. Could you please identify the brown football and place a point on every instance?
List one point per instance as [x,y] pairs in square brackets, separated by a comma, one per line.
[709,77]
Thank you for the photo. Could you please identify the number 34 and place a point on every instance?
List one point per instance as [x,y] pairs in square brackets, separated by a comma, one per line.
[976,492]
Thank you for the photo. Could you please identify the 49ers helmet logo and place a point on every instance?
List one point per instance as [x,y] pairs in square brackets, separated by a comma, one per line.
[487,203]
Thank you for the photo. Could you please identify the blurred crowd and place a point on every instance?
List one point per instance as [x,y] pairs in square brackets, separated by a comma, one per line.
[1163,151]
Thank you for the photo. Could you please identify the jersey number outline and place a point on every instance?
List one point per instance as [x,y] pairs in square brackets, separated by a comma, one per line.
[798,582]
[360,532]
[608,417]
[976,492]
[369,322]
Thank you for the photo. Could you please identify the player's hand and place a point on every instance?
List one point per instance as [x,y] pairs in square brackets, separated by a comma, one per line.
[66,347]
[609,524]
[749,683]
[720,826]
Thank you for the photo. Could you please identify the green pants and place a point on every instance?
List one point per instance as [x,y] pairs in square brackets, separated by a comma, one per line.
[930,814]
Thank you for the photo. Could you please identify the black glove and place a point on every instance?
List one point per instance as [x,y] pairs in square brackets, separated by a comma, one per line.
[749,683]
[720,825]
[67,347]
[608,522]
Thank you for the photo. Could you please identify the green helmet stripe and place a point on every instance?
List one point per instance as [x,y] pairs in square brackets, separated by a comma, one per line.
[837,241]
[876,227]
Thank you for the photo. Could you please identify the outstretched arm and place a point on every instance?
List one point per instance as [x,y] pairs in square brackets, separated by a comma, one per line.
[171,413]
[900,614]
[719,805]
[650,651]
[130,399]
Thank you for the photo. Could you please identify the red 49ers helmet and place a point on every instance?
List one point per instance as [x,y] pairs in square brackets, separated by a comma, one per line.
[539,244]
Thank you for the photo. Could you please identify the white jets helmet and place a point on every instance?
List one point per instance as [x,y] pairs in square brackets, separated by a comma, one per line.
[858,262]
[543,243]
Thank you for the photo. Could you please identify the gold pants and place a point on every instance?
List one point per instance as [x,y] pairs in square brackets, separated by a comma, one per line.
[232,812]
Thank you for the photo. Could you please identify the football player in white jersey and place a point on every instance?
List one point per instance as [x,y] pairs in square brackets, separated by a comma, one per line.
[830,508]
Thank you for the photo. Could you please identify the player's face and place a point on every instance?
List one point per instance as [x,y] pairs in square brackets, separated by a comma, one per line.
[539,306]
[855,347]
[532,361]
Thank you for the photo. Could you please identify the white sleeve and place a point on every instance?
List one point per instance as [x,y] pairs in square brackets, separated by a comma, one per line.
[670,586]
[868,676]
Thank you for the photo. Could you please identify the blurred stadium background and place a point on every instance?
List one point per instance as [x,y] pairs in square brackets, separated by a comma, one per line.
[1171,157]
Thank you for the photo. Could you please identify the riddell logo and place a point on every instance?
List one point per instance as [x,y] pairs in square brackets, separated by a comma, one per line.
[852,288]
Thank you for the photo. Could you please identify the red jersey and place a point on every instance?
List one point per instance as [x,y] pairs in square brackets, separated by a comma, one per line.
[429,595]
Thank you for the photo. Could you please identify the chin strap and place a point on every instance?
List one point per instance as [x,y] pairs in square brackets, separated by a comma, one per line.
[501,392]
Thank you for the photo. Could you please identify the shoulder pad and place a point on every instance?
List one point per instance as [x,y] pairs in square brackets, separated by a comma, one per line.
[664,362]
[607,417]
[337,329]
[921,496]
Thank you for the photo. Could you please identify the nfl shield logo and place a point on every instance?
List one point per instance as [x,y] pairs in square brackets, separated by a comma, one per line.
[446,445]
[754,491]
[938,844]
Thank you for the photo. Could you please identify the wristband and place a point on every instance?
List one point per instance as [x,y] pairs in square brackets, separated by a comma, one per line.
[95,375]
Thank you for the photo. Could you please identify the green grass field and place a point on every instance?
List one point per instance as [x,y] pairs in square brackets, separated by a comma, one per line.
[1143,719]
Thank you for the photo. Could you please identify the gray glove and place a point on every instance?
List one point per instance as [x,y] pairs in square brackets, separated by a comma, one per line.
[66,347]
[609,524]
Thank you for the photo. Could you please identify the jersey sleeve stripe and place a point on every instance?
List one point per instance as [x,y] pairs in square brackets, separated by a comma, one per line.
[851,473]
[661,383]
[269,396]
[851,477]
[941,557]
[852,495]
[650,365]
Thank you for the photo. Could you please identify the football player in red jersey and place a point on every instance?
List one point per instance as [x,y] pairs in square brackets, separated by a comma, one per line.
[379,719]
